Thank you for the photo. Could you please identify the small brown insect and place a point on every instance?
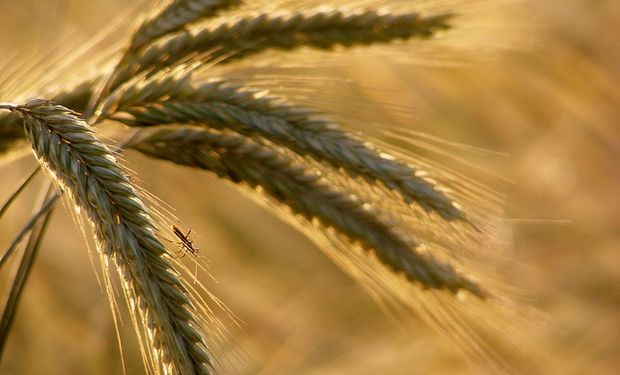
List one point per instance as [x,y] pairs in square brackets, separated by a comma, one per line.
[187,245]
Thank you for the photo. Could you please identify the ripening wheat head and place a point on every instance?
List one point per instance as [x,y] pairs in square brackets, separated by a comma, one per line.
[413,234]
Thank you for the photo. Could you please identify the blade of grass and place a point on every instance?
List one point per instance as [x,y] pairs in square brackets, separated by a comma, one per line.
[34,219]
[25,266]
[18,191]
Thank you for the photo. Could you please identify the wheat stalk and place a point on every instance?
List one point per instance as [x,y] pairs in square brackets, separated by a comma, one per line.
[88,172]
[251,162]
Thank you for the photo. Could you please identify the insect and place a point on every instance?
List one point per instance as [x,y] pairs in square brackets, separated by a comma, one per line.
[187,245]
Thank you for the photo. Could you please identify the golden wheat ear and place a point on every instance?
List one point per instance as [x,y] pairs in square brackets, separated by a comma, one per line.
[241,38]
[164,313]
[251,34]
[290,181]
[217,104]
[169,19]
[176,16]
[436,281]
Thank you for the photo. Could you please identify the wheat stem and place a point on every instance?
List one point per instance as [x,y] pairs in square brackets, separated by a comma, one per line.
[34,219]
[38,225]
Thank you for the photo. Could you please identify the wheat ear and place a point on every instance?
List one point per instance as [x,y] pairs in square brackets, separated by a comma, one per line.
[220,105]
[292,182]
[248,35]
[322,29]
[88,172]
[176,16]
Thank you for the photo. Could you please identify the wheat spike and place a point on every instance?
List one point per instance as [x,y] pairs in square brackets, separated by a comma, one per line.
[248,35]
[88,172]
[322,29]
[291,182]
[176,16]
[220,105]
[168,83]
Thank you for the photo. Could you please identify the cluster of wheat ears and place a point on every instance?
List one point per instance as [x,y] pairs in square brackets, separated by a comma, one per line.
[414,234]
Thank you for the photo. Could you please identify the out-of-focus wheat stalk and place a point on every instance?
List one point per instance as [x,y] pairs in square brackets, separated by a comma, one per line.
[88,172]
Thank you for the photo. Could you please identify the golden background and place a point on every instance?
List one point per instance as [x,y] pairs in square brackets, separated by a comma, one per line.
[546,98]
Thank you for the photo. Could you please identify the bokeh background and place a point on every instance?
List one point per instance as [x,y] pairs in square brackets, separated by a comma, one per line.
[545,100]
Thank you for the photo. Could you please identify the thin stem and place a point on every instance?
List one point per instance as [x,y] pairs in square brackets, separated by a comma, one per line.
[34,243]
[47,206]
[18,191]
[9,106]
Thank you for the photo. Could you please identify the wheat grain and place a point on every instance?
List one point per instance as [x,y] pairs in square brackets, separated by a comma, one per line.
[88,172]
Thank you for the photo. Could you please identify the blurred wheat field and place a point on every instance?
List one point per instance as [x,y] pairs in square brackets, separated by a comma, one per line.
[548,106]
